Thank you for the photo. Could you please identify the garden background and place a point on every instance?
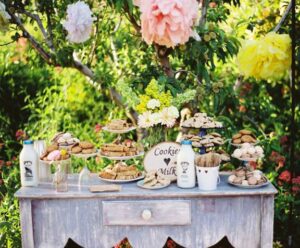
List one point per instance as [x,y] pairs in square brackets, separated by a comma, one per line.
[41,95]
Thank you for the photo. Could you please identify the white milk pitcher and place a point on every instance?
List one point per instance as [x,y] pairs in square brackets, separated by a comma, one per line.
[208,177]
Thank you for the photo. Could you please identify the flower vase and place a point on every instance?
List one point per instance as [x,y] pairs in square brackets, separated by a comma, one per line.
[154,136]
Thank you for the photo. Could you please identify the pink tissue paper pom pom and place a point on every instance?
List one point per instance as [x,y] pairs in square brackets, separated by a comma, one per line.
[167,22]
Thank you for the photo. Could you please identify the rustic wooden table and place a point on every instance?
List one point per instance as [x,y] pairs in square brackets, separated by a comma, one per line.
[193,218]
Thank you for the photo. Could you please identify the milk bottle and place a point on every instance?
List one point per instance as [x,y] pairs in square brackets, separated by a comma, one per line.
[29,165]
[186,176]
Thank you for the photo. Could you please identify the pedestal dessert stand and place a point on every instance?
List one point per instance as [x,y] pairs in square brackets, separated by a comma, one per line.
[84,174]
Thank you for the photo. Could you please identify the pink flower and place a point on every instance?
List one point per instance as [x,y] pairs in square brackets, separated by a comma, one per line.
[97,128]
[285,176]
[296,180]
[168,22]
[296,189]
[21,135]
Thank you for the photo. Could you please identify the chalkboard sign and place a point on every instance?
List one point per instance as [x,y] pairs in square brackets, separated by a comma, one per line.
[162,158]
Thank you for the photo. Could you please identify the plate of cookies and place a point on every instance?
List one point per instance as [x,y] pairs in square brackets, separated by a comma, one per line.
[242,137]
[154,180]
[121,150]
[119,126]
[121,173]
[201,120]
[53,155]
[248,152]
[246,177]
[84,149]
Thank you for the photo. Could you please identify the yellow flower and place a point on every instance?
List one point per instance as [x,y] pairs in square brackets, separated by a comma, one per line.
[268,57]
[63,152]
[153,92]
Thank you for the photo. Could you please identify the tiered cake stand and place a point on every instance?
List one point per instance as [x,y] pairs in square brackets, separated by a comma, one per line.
[121,158]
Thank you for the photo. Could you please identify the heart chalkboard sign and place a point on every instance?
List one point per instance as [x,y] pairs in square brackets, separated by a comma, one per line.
[163,158]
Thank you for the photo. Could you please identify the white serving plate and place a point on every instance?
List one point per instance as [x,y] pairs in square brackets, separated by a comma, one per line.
[55,161]
[118,131]
[141,185]
[248,159]
[121,181]
[123,157]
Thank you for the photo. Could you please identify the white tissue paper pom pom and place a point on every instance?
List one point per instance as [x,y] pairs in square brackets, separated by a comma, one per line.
[79,22]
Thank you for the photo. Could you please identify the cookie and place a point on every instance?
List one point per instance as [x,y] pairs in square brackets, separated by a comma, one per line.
[57,136]
[245,132]
[216,135]
[238,180]
[44,155]
[252,181]
[88,151]
[86,145]
[107,174]
[237,141]
[236,136]
[76,149]
[247,139]
[52,148]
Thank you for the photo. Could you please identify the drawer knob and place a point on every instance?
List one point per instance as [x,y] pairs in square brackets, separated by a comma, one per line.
[146,214]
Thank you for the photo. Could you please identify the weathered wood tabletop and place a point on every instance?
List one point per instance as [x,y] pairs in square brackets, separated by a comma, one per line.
[191,217]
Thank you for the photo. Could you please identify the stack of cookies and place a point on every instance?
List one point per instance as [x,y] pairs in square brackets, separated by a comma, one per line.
[83,147]
[247,177]
[120,149]
[120,171]
[208,140]
[118,125]
[243,136]
[154,179]
[201,120]
[64,140]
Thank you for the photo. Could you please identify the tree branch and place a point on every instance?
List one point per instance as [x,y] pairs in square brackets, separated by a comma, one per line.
[163,56]
[38,20]
[284,16]
[113,93]
[204,7]
[32,40]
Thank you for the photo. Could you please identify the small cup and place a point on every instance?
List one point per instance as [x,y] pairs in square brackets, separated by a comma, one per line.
[60,178]
[208,177]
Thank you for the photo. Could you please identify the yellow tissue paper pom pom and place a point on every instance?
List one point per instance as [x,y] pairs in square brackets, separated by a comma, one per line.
[268,57]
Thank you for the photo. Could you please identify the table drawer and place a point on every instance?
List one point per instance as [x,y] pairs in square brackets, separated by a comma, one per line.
[137,213]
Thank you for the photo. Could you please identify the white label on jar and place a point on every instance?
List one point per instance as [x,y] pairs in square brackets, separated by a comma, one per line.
[28,171]
[185,166]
